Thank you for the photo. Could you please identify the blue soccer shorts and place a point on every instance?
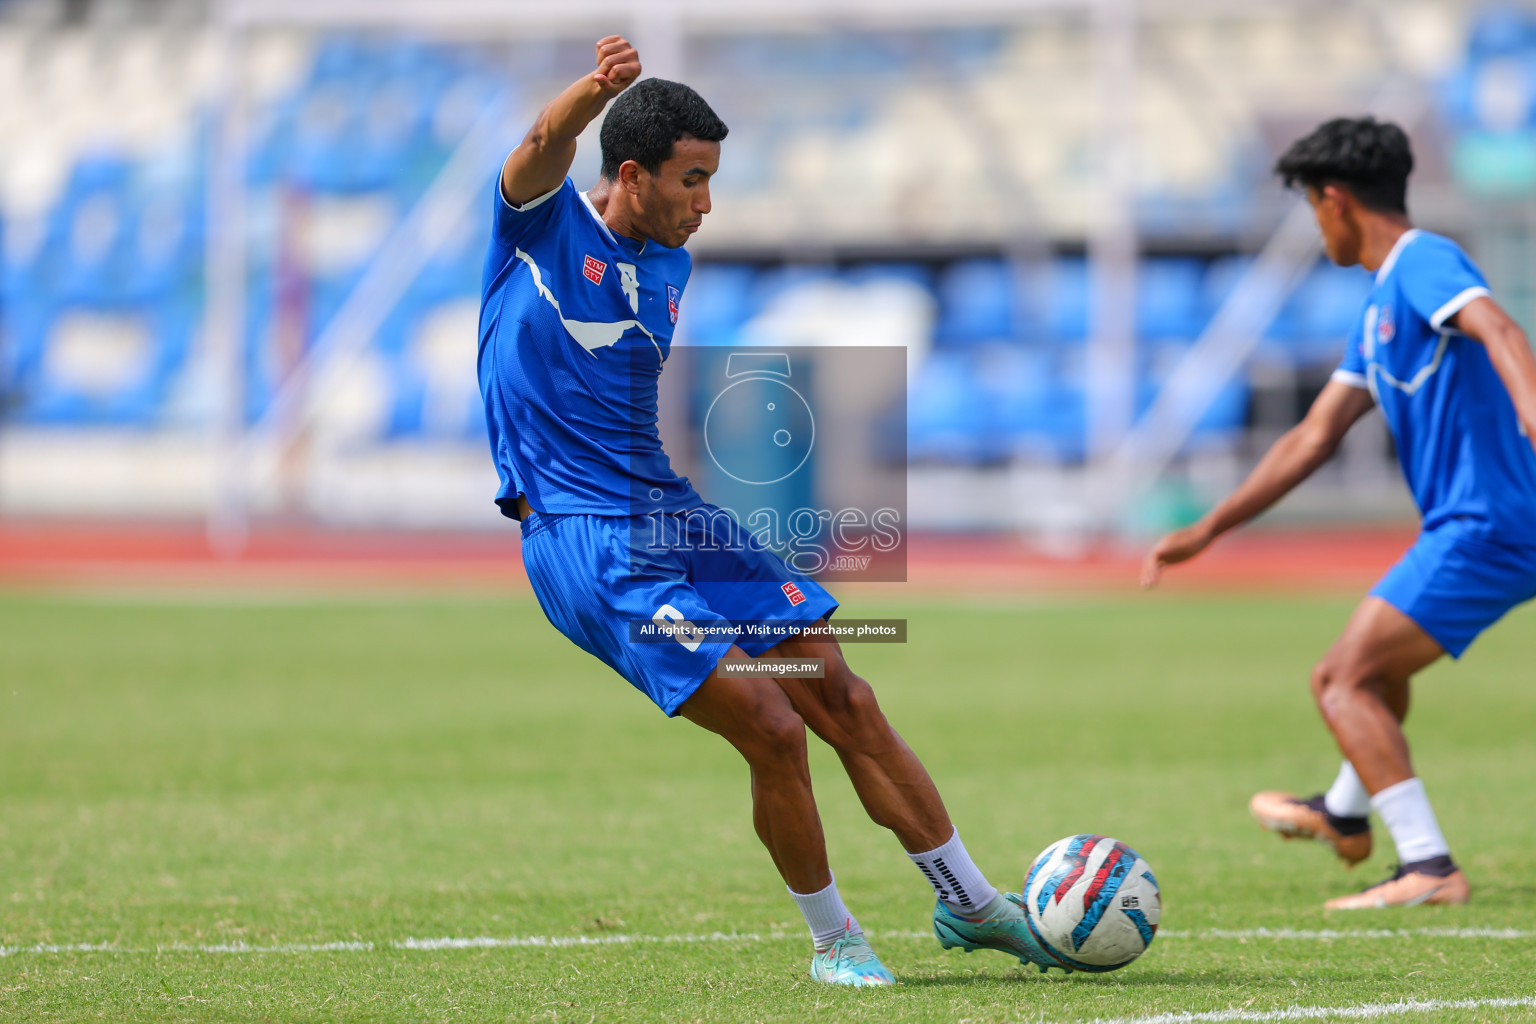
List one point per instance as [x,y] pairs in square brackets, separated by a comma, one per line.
[601,579]
[1455,582]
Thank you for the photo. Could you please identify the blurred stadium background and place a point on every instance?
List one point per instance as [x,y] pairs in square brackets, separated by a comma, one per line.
[242,240]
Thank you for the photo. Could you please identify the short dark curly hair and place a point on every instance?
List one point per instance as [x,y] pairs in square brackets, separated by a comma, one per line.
[1370,158]
[647,120]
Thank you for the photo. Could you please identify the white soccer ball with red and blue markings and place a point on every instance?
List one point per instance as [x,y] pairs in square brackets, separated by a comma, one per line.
[1092,902]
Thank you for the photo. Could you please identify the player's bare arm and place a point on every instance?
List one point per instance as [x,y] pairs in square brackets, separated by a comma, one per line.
[1485,321]
[1291,460]
[540,163]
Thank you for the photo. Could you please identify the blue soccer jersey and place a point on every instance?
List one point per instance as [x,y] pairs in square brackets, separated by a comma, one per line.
[575,324]
[1460,443]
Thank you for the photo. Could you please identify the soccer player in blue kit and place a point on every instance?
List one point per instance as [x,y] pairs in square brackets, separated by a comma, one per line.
[580,296]
[1455,378]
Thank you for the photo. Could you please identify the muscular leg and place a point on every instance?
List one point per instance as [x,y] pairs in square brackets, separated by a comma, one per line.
[756,717]
[891,782]
[1362,687]
[1362,690]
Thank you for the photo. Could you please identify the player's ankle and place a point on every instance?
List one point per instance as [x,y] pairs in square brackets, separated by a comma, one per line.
[1347,825]
[956,880]
[992,908]
[1438,867]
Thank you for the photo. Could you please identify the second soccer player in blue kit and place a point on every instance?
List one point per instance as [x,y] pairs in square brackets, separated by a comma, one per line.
[1455,379]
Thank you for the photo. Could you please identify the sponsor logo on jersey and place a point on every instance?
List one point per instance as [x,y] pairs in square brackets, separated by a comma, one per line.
[793,593]
[673,298]
[593,269]
[1386,330]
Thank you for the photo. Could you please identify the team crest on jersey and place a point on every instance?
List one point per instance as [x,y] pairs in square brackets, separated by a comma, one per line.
[673,298]
[793,593]
[1386,330]
[593,269]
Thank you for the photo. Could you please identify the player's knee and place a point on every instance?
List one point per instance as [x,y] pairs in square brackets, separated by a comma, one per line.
[859,724]
[1322,677]
[777,735]
[1336,681]
[861,708]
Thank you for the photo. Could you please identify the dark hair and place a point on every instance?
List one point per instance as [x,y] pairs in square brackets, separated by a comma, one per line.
[1371,158]
[648,118]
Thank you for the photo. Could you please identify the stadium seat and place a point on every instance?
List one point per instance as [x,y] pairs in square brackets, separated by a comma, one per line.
[1169,298]
[104,365]
[976,303]
[1500,30]
[1221,423]
[949,415]
[1329,302]
[916,273]
[716,303]
[1060,292]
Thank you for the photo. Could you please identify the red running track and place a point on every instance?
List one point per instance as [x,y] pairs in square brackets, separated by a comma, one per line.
[92,555]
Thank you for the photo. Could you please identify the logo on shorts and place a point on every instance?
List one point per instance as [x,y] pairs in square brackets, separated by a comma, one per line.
[593,269]
[673,298]
[793,593]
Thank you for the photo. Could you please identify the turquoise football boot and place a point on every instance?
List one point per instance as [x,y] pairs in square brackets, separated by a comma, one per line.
[850,961]
[1002,926]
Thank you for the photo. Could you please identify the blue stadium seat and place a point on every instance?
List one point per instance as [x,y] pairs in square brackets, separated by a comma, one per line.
[1059,292]
[1221,423]
[1501,30]
[770,284]
[137,402]
[1169,298]
[948,414]
[1279,337]
[324,135]
[1330,301]
[717,302]
[977,301]
[1063,433]
[84,257]
[915,273]
[1022,388]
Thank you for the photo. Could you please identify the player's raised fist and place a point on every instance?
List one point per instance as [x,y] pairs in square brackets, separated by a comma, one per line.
[618,65]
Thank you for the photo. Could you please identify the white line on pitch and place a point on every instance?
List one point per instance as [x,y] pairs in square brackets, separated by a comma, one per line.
[1363,1011]
[564,941]
[1327,934]
[558,941]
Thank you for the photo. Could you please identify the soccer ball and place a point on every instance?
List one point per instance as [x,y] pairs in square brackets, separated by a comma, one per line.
[1092,902]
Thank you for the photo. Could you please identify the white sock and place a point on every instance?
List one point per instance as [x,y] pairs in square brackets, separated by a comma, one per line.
[1347,797]
[825,915]
[1408,816]
[954,876]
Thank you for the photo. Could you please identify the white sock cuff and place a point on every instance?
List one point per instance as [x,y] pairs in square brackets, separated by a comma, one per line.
[1398,791]
[825,914]
[1406,811]
[954,876]
[1347,797]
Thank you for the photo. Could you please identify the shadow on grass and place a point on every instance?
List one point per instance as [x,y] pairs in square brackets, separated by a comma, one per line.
[1135,980]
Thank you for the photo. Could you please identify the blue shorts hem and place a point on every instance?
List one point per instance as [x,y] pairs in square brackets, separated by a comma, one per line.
[680,696]
[1455,583]
[822,609]
[1455,647]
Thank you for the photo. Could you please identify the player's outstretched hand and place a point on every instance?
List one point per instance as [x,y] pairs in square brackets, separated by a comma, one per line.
[1178,546]
[618,65]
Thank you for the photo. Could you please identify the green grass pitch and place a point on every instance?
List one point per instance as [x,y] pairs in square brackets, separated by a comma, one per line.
[180,774]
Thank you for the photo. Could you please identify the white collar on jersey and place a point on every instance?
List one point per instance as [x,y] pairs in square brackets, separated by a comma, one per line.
[1397,250]
[586,201]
